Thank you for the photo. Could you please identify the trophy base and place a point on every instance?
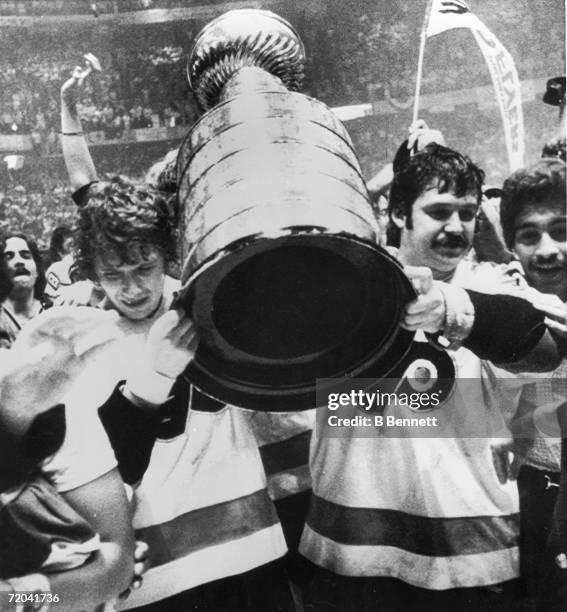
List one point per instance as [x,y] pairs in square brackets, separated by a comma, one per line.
[276,314]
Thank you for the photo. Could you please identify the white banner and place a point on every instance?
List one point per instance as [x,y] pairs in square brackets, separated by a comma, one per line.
[450,14]
[15,142]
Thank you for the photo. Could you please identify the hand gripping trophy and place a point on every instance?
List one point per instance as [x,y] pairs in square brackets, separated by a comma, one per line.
[282,273]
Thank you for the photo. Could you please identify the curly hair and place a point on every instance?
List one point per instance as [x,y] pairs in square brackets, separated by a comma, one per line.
[163,176]
[121,217]
[435,166]
[39,286]
[540,185]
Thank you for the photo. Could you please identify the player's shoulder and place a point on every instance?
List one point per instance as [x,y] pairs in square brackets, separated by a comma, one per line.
[489,277]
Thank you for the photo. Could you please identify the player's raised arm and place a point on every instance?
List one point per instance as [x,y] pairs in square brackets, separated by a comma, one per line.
[78,160]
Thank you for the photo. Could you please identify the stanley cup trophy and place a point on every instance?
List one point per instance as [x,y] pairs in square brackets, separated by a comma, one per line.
[282,273]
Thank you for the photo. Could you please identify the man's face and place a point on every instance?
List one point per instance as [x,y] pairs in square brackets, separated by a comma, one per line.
[135,289]
[541,247]
[67,246]
[20,264]
[442,230]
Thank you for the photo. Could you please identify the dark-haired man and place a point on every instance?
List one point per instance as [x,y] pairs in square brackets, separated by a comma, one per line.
[436,223]
[24,271]
[418,519]
[533,218]
[532,213]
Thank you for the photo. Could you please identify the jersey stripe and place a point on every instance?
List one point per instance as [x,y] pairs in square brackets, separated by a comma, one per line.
[210,526]
[209,564]
[285,454]
[284,442]
[436,573]
[436,537]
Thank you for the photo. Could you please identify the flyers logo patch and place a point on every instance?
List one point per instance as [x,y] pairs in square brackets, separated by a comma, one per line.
[425,369]
[53,280]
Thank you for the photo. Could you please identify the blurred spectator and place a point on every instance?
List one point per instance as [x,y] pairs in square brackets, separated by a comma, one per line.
[22,263]
[58,274]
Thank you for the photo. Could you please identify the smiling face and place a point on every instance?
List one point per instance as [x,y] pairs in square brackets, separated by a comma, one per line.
[135,288]
[20,264]
[441,230]
[540,245]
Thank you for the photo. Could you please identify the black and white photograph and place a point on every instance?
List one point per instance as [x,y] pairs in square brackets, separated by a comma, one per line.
[283,306]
